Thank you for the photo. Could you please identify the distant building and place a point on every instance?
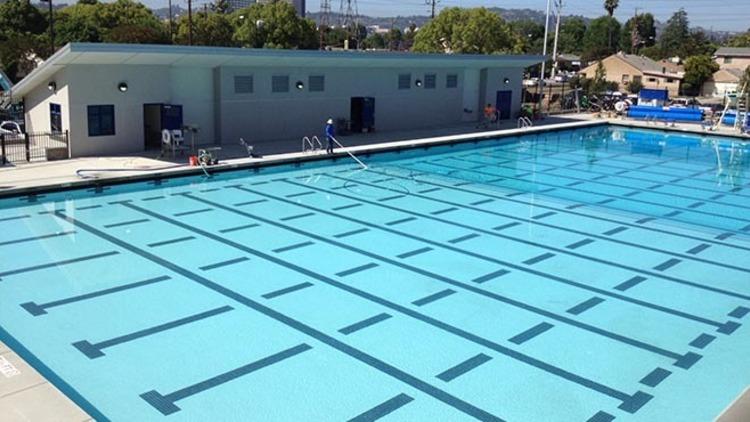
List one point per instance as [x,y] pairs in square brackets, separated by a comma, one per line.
[722,82]
[117,98]
[239,4]
[733,58]
[626,68]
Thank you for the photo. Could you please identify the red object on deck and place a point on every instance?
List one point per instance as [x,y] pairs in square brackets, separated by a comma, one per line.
[193,160]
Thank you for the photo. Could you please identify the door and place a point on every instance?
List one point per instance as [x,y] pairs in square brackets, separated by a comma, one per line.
[504,104]
[152,126]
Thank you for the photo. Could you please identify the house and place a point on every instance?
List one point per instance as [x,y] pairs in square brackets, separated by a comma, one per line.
[569,62]
[733,58]
[626,68]
[108,96]
[722,82]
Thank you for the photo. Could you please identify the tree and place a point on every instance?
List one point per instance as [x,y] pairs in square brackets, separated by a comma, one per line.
[675,35]
[635,86]
[572,33]
[698,69]
[466,31]
[599,81]
[740,40]
[595,42]
[23,38]
[123,21]
[274,25]
[529,36]
[638,32]
[610,6]
[375,41]
[209,28]
[21,17]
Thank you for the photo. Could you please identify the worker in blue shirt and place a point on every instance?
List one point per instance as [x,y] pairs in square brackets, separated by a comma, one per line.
[330,135]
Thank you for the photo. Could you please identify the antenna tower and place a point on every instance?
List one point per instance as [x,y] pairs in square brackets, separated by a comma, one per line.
[350,19]
[325,21]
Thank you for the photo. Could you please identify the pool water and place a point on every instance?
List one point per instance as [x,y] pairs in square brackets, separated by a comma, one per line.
[581,275]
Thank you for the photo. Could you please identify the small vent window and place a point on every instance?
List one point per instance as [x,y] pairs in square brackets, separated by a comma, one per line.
[404,81]
[430,81]
[243,84]
[317,83]
[451,81]
[280,84]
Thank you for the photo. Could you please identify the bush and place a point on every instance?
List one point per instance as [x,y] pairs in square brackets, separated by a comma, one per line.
[635,87]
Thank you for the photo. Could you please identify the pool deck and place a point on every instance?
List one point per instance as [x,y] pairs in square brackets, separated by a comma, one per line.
[22,388]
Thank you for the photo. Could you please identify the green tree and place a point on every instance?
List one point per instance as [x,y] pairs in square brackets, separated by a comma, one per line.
[21,17]
[740,40]
[698,69]
[638,32]
[375,41]
[635,87]
[572,33]
[274,25]
[596,43]
[23,38]
[81,22]
[529,36]
[466,31]
[599,81]
[209,28]
[676,35]
[123,21]
[699,45]
[610,6]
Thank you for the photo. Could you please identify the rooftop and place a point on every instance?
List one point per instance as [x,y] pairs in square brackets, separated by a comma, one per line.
[733,52]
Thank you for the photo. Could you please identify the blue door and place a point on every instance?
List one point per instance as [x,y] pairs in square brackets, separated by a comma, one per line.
[504,103]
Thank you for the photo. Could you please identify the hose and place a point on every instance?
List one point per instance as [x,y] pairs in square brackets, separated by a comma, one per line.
[80,171]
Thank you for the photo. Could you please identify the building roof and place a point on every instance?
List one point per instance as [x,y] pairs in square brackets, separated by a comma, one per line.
[733,52]
[727,75]
[568,57]
[199,56]
[646,66]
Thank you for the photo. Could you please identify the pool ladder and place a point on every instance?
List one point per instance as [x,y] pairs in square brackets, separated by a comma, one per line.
[311,145]
[524,122]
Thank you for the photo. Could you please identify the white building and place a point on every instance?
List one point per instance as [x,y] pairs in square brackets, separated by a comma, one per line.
[104,94]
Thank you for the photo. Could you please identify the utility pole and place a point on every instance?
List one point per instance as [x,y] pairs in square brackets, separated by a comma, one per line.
[51,27]
[171,23]
[433,5]
[325,21]
[540,87]
[558,5]
[635,36]
[350,19]
[190,22]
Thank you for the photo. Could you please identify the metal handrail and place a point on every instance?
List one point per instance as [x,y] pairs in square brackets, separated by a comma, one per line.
[524,122]
[364,166]
[316,143]
[305,143]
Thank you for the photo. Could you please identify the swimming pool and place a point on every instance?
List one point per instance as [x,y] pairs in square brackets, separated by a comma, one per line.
[581,275]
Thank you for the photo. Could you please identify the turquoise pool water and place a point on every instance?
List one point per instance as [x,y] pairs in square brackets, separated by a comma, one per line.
[589,275]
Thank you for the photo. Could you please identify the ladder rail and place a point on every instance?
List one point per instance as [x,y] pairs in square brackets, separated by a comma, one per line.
[306,142]
[316,143]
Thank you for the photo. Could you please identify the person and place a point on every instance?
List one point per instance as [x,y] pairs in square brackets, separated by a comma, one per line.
[330,135]
[489,115]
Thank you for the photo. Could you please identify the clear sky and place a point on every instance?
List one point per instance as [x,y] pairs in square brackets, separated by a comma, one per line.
[729,15]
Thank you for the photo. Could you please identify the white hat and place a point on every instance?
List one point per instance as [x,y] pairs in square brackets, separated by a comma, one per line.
[330,121]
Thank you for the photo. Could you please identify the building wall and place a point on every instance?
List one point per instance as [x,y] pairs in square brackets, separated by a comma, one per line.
[736,63]
[37,104]
[718,89]
[617,69]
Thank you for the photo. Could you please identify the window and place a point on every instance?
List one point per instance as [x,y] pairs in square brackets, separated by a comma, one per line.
[404,81]
[430,81]
[451,81]
[652,79]
[625,79]
[317,83]
[280,84]
[669,80]
[101,120]
[727,60]
[637,79]
[243,84]
[55,118]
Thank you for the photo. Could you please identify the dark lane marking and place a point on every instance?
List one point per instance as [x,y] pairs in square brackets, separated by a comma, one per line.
[724,236]
[386,179]
[88,207]
[41,309]
[414,252]
[506,226]
[702,341]
[17,217]
[696,205]
[482,202]
[667,264]
[356,269]
[585,306]
[739,312]
[209,190]
[615,231]
[698,249]
[601,416]
[383,409]
[257,201]
[126,223]
[530,333]
[672,214]
[444,211]
[94,350]
[297,195]
[491,276]
[350,233]
[572,207]
[152,198]
[434,297]
[630,283]
[646,220]
[57,263]
[170,241]
[364,323]
[298,216]
[391,198]
[681,359]
[469,364]
[238,228]
[186,213]
[463,238]
[629,403]
[357,354]
[574,184]
[632,193]
[293,247]
[538,259]
[346,207]
[579,244]
[655,377]
[224,263]
[166,403]
[35,238]
[543,216]
[430,190]
[401,221]
[282,292]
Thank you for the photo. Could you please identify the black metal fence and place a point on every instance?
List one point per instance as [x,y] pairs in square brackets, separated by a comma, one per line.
[35,146]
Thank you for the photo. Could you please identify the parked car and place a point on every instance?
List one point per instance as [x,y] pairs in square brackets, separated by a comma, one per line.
[531,82]
[10,128]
